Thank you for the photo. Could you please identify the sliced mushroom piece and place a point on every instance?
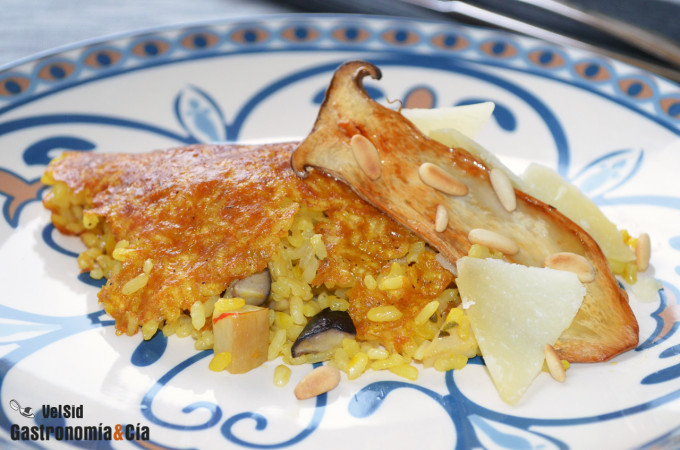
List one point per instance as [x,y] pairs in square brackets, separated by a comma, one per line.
[325,331]
[253,289]
[604,326]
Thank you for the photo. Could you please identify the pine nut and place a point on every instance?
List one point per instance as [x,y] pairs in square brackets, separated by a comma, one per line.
[554,364]
[643,251]
[441,219]
[571,262]
[437,178]
[493,240]
[366,155]
[503,188]
[317,382]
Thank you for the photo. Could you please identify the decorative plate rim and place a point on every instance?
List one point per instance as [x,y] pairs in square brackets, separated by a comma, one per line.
[646,93]
[660,88]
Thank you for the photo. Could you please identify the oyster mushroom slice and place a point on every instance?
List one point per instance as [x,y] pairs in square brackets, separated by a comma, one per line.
[604,325]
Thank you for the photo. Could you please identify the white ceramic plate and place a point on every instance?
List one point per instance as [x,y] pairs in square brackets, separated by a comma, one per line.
[611,129]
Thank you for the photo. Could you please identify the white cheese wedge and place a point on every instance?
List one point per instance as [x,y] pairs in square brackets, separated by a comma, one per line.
[468,119]
[514,311]
[549,187]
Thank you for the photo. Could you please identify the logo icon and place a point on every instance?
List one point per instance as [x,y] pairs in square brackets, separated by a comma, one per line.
[26,412]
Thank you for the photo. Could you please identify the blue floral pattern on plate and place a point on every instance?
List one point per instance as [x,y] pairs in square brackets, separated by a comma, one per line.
[216,85]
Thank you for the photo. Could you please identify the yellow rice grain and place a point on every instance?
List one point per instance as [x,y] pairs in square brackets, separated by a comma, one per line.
[319,247]
[630,273]
[74,228]
[310,358]
[205,340]
[427,312]
[396,269]
[296,311]
[351,347]
[77,212]
[384,313]
[449,296]
[135,284]
[414,251]
[185,327]
[370,282]
[323,300]
[87,258]
[197,315]
[278,267]
[311,309]
[427,330]
[357,365]
[338,304]
[210,289]
[295,239]
[195,334]
[276,344]
[90,239]
[378,353]
[483,252]
[133,323]
[90,221]
[420,351]
[280,305]
[120,251]
[220,362]
[286,354]
[409,349]
[309,265]
[281,375]
[392,282]
[282,320]
[293,331]
[455,315]
[280,290]
[170,328]
[149,329]
[464,329]
[394,359]
[340,359]
[225,305]
[454,362]
[365,346]
[209,305]
[406,371]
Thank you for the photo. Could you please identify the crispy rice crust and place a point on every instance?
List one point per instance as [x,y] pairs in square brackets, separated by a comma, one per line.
[207,215]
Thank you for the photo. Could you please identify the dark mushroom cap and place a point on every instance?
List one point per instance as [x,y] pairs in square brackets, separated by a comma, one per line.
[323,332]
